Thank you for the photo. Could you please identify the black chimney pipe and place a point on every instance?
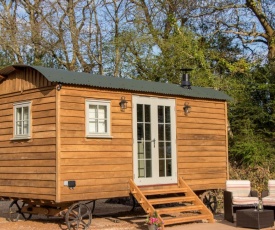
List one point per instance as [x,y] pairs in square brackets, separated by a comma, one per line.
[185,78]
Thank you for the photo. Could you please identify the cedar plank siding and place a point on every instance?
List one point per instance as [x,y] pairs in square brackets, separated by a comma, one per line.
[27,167]
[202,144]
[101,167]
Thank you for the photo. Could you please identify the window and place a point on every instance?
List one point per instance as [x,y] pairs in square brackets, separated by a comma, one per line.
[97,118]
[22,120]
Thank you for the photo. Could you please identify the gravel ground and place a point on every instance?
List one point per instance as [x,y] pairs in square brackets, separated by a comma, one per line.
[106,217]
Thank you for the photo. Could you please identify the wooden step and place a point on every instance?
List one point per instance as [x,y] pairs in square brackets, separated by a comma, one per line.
[169,200]
[186,208]
[185,219]
[163,191]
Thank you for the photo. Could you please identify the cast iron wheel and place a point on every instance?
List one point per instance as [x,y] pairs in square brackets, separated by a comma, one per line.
[78,216]
[93,207]
[134,203]
[210,200]
[15,211]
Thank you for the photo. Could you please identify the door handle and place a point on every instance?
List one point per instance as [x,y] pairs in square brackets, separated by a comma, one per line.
[154,140]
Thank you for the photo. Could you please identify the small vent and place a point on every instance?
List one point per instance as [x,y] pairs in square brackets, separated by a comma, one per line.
[185,83]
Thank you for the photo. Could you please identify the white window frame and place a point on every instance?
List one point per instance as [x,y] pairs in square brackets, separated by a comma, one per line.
[23,135]
[95,102]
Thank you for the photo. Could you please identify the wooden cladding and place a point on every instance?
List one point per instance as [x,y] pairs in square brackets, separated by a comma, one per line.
[22,80]
[101,167]
[27,167]
[202,144]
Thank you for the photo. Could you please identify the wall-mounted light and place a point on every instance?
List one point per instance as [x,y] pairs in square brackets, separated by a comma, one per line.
[123,103]
[186,108]
[59,86]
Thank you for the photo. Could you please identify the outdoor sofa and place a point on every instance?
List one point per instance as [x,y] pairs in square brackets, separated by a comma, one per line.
[268,197]
[238,195]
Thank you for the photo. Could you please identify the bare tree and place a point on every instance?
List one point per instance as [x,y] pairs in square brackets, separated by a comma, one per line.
[10,39]
[33,24]
[251,21]
[70,33]
[113,9]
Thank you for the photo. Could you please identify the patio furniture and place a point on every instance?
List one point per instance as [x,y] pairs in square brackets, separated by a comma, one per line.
[238,195]
[268,197]
[251,218]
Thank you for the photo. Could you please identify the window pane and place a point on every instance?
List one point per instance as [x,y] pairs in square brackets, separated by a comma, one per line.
[102,112]
[18,128]
[147,132]
[102,127]
[161,132]
[160,114]
[18,114]
[141,169]
[147,113]
[140,135]
[92,111]
[168,132]
[139,113]
[25,127]
[141,150]
[25,113]
[161,168]
[148,150]
[148,168]
[92,127]
[168,168]
[161,150]
[167,114]
[168,150]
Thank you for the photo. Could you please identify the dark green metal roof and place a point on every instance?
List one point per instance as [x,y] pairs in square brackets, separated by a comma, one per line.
[77,78]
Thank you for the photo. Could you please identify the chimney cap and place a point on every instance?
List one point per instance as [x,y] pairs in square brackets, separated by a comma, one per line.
[186,69]
[185,78]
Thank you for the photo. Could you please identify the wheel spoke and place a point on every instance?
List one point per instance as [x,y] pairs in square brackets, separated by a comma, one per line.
[26,216]
[14,211]
[74,213]
[210,200]
[78,215]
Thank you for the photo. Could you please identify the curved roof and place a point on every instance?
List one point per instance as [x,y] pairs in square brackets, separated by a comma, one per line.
[77,78]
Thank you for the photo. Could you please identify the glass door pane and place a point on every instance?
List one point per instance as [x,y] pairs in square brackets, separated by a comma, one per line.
[164,138]
[144,141]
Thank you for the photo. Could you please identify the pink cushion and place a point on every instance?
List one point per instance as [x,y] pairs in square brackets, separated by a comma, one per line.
[271,187]
[245,200]
[238,187]
[269,200]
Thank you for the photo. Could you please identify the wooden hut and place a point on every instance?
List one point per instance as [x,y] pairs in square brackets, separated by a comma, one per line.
[70,136]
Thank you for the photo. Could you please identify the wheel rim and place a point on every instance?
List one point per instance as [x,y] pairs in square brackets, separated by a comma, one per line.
[93,207]
[210,200]
[26,216]
[78,216]
[15,211]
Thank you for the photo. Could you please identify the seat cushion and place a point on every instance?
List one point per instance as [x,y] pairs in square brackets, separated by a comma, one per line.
[238,188]
[271,187]
[269,200]
[241,200]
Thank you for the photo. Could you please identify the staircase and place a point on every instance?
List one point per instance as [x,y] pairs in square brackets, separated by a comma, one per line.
[173,204]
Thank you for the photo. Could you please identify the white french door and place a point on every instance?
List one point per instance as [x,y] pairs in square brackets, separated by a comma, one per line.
[154,141]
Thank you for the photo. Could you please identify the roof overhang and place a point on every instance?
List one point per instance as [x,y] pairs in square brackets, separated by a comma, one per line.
[107,82]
